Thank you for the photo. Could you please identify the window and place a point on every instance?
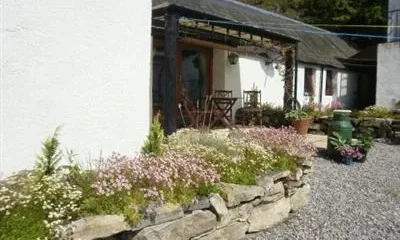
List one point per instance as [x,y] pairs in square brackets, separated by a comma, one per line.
[343,85]
[309,82]
[330,83]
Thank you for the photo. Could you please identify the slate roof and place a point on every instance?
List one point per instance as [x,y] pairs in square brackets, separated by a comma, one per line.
[316,45]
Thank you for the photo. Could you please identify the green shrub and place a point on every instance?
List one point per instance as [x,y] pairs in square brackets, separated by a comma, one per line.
[237,161]
[47,161]
[130,204]
[155,140]
[375,112]
[284,163]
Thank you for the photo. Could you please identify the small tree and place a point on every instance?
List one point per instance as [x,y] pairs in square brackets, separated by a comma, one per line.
[155,139]
[51,155]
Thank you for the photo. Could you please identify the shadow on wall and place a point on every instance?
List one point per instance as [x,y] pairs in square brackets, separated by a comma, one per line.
[233,82]
[269,71]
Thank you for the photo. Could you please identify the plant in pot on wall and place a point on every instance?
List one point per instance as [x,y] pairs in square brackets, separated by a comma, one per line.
[300,120]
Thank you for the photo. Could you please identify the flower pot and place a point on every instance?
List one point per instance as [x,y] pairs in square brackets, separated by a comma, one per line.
[364,157]
[347,161]
[302,125]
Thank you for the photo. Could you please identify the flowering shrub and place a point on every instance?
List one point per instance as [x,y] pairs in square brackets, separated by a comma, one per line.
[45,205]
[335,105]
[237,161]
[350,152]
[284,140]
[153,175]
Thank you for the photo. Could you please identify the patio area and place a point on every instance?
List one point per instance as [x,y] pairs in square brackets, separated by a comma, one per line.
[361,201]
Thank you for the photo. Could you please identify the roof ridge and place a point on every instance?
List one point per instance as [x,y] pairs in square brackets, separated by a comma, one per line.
[274,14]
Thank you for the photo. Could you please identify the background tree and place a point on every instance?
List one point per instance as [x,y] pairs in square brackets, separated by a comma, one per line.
[335,12]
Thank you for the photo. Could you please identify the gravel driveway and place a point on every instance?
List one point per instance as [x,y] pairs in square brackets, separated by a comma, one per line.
[361,201]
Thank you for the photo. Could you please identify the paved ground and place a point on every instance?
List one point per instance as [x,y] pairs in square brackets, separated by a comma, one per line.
[361,201]
[320,141]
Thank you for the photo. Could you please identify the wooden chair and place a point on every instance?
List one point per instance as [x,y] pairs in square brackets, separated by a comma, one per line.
[252,107]
[225,94]
[197,117]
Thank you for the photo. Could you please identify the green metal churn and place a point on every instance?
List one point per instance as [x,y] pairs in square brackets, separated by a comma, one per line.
[342,125]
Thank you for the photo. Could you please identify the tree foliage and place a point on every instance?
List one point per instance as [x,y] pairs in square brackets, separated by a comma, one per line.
[334,12]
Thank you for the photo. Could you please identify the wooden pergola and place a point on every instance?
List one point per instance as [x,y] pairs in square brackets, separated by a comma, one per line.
[177,24]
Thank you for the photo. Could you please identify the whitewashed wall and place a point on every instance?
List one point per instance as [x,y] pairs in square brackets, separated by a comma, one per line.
[82,64]
[247,72]
[388,74]
[346,86]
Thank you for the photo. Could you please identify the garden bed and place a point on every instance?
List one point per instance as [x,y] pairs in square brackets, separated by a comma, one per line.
[190,185]
[242,209]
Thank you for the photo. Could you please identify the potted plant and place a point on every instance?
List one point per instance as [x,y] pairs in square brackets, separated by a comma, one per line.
[337,142]
[365,144]
[300,120]
[349,154]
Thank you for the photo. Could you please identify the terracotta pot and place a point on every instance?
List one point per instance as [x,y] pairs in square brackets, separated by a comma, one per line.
[302,126]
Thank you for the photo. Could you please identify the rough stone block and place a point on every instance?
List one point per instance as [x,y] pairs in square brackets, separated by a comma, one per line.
[235,194]
[218,206]
[296,175]
[157,214]
[234,231]
[276,175]
[268,215]
[199,204]
[300,198]
[185,228]
[98,227]
[275,193]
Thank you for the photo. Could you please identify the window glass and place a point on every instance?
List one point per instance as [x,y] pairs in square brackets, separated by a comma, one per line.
[309,82]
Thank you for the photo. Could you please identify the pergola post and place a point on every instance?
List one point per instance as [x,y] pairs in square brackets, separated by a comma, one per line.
[169,103]
[289,63]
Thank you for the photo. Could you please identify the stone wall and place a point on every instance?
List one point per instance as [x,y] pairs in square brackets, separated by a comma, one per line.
[238,210]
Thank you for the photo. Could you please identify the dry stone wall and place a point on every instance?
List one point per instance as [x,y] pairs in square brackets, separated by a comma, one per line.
[238,210]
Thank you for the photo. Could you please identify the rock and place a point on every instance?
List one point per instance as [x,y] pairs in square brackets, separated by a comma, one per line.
[98,227]
[308,170]
[257,201]
[199,204]
[293,184]
[275,193]
[276,175]
[300,198]
[296,175]
[265,181]
[290,192]
[235,231]
[156,214]
[185,228]
[218,206]
[267,215]
[307,163]
[235,194]
[240,213]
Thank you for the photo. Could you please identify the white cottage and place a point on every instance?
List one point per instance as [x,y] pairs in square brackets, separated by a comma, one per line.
[81,64]
[195,43]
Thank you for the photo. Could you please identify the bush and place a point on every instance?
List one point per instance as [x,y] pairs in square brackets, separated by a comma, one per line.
[155,140]
[44,206]
[375,112]
[285,141]
[237,161]
[158,178]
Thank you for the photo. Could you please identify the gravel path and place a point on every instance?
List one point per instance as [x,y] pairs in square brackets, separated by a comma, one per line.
[361,201]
